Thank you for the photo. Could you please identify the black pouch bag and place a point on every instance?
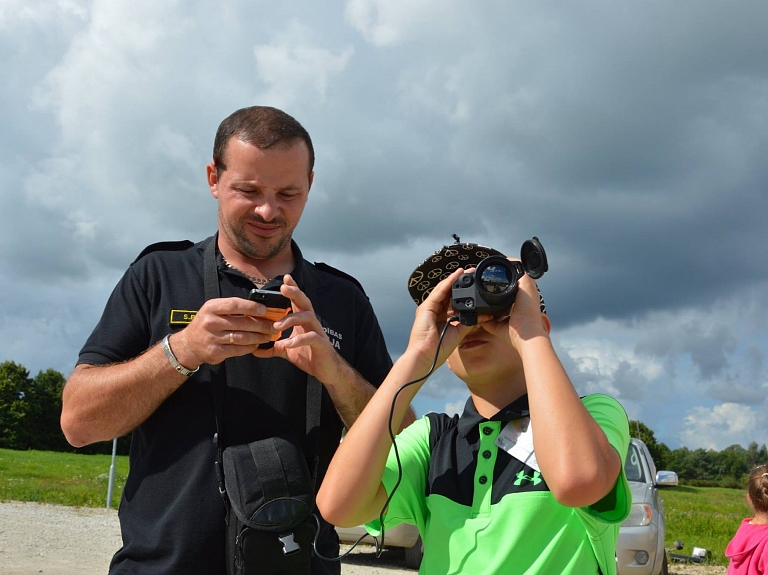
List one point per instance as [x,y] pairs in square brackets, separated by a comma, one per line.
[271,499]
[266,485]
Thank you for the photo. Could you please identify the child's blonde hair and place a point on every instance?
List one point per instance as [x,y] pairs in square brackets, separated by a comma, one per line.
[757,487]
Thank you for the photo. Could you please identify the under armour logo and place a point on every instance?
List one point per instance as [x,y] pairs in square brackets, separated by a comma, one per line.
[521,476]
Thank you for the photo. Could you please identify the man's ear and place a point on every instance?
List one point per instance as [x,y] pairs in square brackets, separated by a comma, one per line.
[545,322]
[311,179]
[448,363]
[213,179]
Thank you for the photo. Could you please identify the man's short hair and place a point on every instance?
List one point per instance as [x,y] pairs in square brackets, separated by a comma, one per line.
[260,126]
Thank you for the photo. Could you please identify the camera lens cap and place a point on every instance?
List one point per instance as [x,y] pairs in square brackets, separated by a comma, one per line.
[534,258]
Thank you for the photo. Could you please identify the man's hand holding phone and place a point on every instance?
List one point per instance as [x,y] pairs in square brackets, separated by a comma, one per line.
[278,306]
[229,327]
[308,346]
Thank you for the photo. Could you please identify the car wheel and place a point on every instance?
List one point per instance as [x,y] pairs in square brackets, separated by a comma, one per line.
[664,566]
[414,554]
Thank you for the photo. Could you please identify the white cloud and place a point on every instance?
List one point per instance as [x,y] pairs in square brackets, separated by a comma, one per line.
[438,91]
[173,146]
[605,361]
[720,426]
[454,408]
[104,67]
[24,12]
[385,22]
[442,23]
[296,70]
[47,187]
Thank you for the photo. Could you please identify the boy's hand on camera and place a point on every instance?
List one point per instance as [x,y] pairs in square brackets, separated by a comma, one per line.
[431,317]
[525,320]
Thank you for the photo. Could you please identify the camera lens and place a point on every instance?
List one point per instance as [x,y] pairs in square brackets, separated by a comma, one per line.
[495,279]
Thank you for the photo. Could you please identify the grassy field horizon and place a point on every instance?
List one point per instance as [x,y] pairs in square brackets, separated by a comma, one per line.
[70,479]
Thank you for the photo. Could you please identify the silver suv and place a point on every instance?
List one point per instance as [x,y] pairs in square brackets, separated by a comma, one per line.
[640,549]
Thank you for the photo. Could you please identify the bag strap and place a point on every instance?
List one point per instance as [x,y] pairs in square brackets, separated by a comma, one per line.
[314,402]
[219,376]
[218,372]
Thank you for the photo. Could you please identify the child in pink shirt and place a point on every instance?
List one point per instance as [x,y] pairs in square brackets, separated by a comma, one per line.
[748,550]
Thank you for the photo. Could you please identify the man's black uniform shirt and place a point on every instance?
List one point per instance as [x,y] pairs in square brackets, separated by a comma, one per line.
[171,513]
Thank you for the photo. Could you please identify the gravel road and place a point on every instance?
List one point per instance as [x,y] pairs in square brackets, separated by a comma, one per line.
[57,540]
[60,540]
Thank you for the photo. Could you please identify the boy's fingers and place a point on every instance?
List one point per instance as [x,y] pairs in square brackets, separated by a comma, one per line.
[444,287]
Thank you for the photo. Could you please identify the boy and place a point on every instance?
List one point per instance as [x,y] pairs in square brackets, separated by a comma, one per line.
[529,480]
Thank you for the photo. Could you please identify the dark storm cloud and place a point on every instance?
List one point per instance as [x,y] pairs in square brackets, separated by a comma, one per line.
[735,391]
[630,138]
[707,345]
[632,146]
[630,383]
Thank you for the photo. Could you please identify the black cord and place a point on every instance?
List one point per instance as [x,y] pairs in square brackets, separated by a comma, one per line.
[392,434]
[380,544]
[340,557]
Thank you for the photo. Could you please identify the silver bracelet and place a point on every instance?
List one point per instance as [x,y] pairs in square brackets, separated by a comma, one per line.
[175,362]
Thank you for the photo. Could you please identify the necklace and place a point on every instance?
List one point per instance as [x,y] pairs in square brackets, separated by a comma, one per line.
[257,281]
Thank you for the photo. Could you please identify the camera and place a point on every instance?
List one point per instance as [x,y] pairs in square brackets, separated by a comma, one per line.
[492,287]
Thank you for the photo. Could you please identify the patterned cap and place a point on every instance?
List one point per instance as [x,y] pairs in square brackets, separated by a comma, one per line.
[444,262]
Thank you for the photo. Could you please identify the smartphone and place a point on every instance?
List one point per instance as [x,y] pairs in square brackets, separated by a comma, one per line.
[278,307]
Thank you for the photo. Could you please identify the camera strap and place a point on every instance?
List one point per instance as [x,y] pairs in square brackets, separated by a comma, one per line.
[219,378]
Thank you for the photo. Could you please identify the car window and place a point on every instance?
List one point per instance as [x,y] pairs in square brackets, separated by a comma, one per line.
[633,467]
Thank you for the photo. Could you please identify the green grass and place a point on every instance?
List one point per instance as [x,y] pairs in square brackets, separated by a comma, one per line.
[60,478]
[705,517]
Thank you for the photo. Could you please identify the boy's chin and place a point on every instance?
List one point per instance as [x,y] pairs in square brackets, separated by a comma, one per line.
[481,374]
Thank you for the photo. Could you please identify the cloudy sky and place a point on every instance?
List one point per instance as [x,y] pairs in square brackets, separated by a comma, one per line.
[630,137]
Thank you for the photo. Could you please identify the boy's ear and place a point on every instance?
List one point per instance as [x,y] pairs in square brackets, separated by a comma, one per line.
[448,363]
[545,322]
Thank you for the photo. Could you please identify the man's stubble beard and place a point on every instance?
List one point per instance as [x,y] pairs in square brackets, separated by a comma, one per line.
[265,250]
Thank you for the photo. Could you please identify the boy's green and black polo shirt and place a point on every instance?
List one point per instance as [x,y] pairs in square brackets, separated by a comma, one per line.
[480,510]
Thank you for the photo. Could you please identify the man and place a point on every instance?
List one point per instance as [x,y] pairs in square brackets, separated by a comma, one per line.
[529,480]
[127,379]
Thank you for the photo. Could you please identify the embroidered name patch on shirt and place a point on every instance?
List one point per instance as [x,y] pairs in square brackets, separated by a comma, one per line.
[182,316]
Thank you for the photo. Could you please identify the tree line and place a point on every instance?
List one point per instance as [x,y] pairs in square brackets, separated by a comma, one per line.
[703,467]
[30,408]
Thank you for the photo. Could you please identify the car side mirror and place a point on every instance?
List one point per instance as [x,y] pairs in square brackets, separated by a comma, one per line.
[666,479]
